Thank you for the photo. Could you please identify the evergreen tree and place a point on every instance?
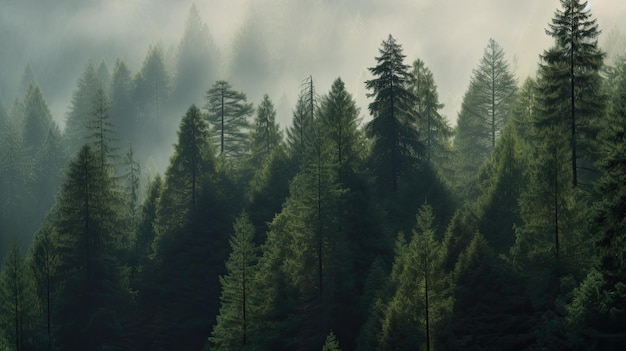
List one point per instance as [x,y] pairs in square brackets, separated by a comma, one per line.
[87,273]
[196,61]
[396,146]
[37,118]
[192,159]
[435,131]
[266,135]
[236,316]
[81,110]
[572,96]
[132,173]
[228,114]
[103,74]
[331,343]
[597,310]
[44,260]
[101,130]
[339,120]
[18,302]
[152,88]
[122,109]
[484,112]
[299,134]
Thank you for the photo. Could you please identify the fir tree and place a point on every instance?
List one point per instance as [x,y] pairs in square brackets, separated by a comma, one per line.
[396,146]
[228,113]
[236,319]
[266,135]
[571,72]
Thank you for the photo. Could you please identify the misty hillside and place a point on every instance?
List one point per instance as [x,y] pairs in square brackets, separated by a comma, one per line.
[306,175]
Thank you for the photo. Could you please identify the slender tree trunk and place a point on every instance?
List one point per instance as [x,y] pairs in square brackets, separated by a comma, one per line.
[222,121]
[493,102]
[427,308]
[243,286]
[573,107]
[556,204]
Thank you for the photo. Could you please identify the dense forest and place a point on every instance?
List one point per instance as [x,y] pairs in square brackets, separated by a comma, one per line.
[381,229]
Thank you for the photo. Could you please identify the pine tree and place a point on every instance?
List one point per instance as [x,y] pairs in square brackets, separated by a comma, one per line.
[228,114]
[266,135]
[152,88]
[484,112]
[435,131]
[339,120]
[132,173]
[44,260]
[331,343]
[101,130]
[571,71]
[196,61]
[236,316]
[299,134]
[396,146]
[193,158]
[19,303]
[122,110]
[81,110]
[37,118]
[87,273]
[103,74]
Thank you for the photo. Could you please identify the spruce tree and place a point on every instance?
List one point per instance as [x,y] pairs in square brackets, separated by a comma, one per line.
[396,147]
[484,112]
[339,120]
[81,110]
[236,316]
[570,68]
[266,135]
[435,132]
[228,113]
[85,232]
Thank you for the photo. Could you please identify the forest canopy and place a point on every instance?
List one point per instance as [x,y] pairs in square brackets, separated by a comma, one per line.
[375,227]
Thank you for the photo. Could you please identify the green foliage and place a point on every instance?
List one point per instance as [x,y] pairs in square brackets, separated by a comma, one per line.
[396,147]
[192,159]
[122,110]
[196,61]
[435,133]
[18,303]
[339,120]
[484,113]
[81,110]
[572,96]
[331,343]
[228,113]
[87,273]
[490,310]
[236,318]
[266,135]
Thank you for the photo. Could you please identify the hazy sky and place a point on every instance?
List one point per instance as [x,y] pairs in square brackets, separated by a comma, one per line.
[323,38]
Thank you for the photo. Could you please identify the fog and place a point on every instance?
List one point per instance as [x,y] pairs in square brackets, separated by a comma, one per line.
[292,40]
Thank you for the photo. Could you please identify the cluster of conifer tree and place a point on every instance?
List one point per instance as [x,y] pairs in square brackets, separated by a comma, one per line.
[401,233]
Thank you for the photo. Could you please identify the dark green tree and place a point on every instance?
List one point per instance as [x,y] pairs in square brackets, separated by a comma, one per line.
[81,110]
[87,273]
[339,120]
[434,130]
[101,130]
[228,113]
[484,112]
[19,303]
[331,343]
[193,157]
[300,132]
[572,96]
[396,147]
[43,262]
[236,316]
[266,135]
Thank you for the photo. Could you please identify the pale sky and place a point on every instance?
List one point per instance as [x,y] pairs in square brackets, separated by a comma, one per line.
[322,38]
